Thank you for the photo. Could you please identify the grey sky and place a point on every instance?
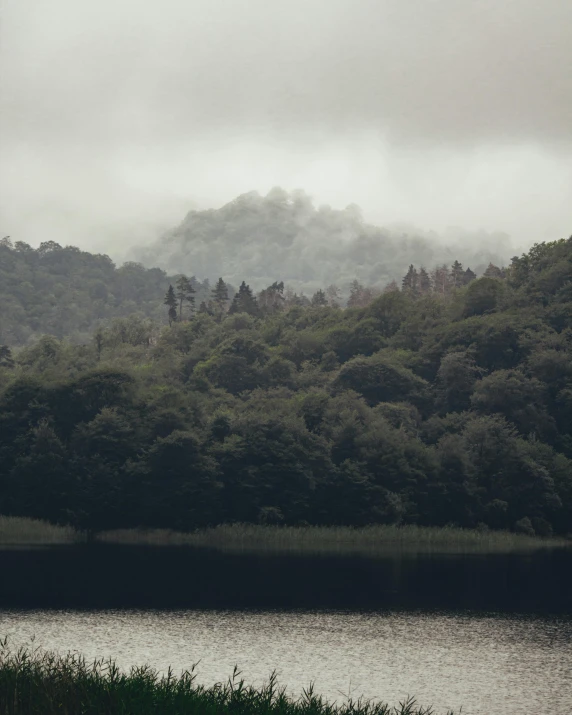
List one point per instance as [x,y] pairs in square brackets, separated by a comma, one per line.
[117,116]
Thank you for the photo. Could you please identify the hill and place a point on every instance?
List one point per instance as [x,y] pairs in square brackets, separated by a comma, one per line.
[283,236]
[65,292]
[448,401]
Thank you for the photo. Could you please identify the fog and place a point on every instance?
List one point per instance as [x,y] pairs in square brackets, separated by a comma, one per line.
[117,117]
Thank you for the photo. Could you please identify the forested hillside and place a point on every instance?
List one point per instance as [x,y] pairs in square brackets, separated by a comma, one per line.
[446,399]
[66,292]
[284,235]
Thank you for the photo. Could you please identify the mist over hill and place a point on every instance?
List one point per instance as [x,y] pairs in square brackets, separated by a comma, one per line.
[284,236]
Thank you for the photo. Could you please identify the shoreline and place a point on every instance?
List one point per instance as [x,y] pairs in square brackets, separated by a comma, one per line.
[21,531]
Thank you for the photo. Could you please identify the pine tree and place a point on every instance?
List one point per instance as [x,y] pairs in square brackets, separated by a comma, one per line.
[319,299]
[244,301]
[494,272]
[424,282]
[410,282]
[204,308]
[171,303]
[469,276]
[457,274]
[185,293]
[220,294]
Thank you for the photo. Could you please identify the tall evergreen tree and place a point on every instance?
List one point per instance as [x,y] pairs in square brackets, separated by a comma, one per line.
[424,282]
[493,271]
[244,301]
[457,275]
[469,276]
[185,294]
[171,303]
[319,299]
[219,300]
[410,282]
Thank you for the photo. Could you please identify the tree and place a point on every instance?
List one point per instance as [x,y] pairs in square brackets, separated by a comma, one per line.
[220,298]
[410,282]
[171,302]
[319,299]
[185,294]
[441,280]
[391,287]
[333,294]
[244,301]
[457,275]
[456,379]
[468,276]
[271,299]
[424,282]
[482,296]
[493,271]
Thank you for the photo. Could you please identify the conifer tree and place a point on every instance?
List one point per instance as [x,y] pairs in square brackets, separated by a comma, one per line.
[457,275]
[171,303]
[185,293]
[220,293]
[244,301]
[319,299]
[410,282]
[469,276]
[424,282]
[493,271]
[219,298]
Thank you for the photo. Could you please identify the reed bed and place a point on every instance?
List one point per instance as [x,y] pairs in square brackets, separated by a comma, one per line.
[251,537]
[42,683]
[15,530]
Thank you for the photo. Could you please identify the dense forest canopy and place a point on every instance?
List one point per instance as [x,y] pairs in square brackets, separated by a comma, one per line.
[445,398]
[284,235]
[66,292]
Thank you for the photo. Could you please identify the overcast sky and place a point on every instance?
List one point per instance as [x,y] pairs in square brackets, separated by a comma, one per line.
[117,116]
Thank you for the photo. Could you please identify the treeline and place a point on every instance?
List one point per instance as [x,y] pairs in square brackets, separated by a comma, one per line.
[65,292]
[433,407]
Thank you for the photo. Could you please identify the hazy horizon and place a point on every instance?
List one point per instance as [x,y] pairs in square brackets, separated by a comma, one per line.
[118,118]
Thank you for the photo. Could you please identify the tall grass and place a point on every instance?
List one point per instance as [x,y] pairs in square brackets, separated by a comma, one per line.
[20,530]
[333,538]
[42,683]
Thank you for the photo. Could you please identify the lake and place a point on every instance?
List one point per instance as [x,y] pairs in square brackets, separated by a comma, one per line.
[492,633]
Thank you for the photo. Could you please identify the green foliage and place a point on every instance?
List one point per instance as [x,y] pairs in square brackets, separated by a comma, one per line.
[444,403]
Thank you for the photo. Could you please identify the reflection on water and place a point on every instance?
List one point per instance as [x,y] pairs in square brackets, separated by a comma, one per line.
[133,577]
[492,633]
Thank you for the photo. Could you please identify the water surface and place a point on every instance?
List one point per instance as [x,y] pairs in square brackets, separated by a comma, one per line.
[490,633]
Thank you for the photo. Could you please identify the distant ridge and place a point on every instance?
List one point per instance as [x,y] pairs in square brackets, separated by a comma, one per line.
[284,236]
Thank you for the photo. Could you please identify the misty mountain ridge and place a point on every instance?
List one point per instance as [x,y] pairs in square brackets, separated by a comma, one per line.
[284,236]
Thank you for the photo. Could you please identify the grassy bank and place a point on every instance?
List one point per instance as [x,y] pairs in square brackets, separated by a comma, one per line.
[250,537]
[17,530]
[42,683]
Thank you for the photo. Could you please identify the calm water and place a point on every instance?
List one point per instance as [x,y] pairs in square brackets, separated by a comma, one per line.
[493,634]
